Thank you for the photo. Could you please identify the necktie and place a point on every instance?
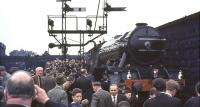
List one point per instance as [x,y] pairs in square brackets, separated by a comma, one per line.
[114,100]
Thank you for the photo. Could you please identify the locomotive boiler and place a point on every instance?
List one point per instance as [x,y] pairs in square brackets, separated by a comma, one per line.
[144,45]
[142,49]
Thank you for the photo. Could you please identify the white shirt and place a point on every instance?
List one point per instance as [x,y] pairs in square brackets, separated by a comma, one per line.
[168,94]
[114,99]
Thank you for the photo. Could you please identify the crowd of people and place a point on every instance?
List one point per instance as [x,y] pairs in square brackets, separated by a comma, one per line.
[65,66]
[69,84]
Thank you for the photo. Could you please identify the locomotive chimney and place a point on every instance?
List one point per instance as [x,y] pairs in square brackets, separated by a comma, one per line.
[140,24]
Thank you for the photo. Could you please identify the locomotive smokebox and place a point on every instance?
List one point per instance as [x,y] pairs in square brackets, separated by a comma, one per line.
[145,45]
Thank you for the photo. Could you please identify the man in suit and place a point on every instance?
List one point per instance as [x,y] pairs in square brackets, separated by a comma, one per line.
[58,94]
[85,84]
[41,96]
[39,72]
[114,98]
[44,82]
[20,92]
[162,99]
[98,98]
[194,101]
[172,88]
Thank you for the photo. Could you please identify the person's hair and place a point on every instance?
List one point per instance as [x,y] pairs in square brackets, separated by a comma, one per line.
[197,87]
[159,84]
[124,104]
[114,85]
[83,71]
[97,83]
[128,90]
[38,68]
[75,91]
[152,91]
[22,88]
[60,79]
[172,85]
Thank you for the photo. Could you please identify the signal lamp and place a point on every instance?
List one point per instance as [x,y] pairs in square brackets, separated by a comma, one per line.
[51,45]
[89,22]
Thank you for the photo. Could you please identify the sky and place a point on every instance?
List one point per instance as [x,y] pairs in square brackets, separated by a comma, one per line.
[23,23]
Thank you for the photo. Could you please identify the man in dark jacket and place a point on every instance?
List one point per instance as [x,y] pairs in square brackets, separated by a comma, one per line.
[85,84]
[194,101]
[100,95]
[58,94]
[161,99]
[20,92]
[114,98]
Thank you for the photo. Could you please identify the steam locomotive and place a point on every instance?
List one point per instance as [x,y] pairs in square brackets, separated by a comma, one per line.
[139,51]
